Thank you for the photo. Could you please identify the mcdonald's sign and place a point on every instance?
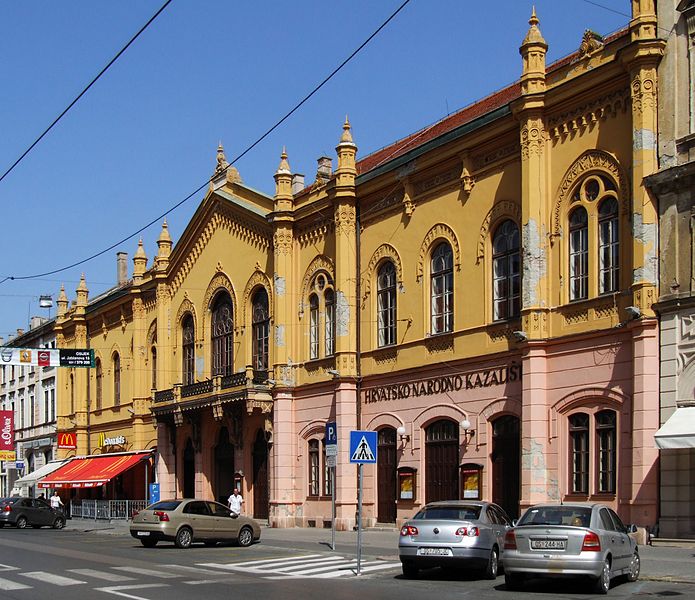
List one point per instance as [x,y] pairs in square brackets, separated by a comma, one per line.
[67,439]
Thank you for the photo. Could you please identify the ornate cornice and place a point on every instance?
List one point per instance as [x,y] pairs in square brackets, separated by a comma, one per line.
[587,115]
[315,232]
[533,138]
[439,231]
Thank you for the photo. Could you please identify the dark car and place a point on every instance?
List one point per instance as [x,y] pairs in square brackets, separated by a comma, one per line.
[21,511]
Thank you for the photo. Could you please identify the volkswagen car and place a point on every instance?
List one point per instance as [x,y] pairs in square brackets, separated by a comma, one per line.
[454,534]
[187,521]
[570,540]
[25,512]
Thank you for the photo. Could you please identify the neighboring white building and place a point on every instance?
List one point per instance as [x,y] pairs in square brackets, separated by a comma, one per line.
[30,392]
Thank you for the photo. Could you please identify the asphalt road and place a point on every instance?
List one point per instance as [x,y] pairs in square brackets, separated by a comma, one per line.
[74,565]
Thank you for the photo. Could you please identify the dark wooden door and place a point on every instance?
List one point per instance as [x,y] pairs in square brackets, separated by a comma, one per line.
[506,464]
[260,476]
[386,476]
[441,461]
[189,470]
[224,467]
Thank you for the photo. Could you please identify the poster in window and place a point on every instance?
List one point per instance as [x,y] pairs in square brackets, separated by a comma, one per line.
[406,484]
[471,482]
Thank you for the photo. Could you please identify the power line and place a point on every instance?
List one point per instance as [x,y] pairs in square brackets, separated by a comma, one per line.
[248,149]
[84,91]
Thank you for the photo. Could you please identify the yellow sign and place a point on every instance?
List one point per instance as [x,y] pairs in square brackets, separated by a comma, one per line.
[25,356]
[8,455]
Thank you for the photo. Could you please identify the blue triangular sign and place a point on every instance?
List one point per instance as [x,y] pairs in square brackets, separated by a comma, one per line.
[363,452]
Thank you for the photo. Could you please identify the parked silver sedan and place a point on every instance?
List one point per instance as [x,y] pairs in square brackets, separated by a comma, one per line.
[186,521]
[453,534]
[561,540]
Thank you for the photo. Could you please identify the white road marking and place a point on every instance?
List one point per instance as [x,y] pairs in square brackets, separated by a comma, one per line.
[326,563]
[258,563]
[106,576]
[51,578]
[119,590]
[347,568]
[8,568]
[148,572]
[6,584]
[193,569]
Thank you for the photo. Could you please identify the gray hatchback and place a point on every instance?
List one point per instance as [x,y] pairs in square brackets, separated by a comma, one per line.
[569,540]
[35,512]
[453,534]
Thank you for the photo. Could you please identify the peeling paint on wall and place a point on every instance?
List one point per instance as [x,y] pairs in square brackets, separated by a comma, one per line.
[643,139]
[534,263]
[645,234]
[280,335]
[533,461]
[342,314]
[279,285]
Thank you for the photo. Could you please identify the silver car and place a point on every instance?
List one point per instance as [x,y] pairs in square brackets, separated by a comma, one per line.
[452,534]
[186,521]
[552,540]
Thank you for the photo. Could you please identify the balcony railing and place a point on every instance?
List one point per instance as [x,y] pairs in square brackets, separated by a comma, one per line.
[164,395]
[195,389]
[234,380]
[210,386]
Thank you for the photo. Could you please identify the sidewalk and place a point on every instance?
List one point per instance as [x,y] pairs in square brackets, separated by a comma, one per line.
[659,563]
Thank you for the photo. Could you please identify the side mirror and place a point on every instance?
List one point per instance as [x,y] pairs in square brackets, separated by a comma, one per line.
[631,528]
[514,522]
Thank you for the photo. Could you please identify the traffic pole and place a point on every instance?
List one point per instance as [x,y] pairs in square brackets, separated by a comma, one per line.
[359,518]
[333,510]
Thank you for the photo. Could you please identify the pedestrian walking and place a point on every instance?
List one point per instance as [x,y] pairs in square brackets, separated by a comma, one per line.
[235,501]
[56,502]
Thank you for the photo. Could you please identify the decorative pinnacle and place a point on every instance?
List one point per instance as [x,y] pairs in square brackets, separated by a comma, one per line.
[164,235]
[284,166]
[62,297]
[222,163]
[140,252]
[347,136]
[83,284]
[534,35]
[533,21]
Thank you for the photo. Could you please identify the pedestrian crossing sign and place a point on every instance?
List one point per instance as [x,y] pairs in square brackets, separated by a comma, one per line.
[363,447]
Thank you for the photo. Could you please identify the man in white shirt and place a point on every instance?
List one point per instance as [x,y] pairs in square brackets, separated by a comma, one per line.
[56,502]
[235,501]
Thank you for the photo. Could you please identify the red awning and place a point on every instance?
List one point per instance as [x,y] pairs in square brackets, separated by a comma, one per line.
[92,471]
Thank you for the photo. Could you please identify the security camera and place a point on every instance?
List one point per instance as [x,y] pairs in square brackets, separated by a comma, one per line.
[520,336]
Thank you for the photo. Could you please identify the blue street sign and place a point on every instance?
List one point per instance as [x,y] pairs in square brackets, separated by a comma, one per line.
[19,465]
[363,447]
[331,433]
[154,493]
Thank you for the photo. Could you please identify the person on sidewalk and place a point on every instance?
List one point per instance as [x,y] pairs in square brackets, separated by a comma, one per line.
[56,502]
[235,501]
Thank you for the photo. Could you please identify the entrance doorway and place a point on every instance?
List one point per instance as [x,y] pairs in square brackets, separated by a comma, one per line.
[224,467]
[441,461]
[506,463]
[386,475]
[260,476]
[189,470]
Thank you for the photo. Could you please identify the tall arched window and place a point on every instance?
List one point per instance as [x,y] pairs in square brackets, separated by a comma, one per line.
[313,326]
[329,301]
[386,305]
[314,468]
[606,438]
[579,437]
[188,334]
[99,384]
[153,366]
[579,254]
[222,335]
[505,271]
[322,315]
[116,379]
[609,246]
[261,329]
[72,398]
[442,289]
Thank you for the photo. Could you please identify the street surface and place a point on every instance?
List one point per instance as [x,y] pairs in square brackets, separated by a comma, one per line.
[73,564]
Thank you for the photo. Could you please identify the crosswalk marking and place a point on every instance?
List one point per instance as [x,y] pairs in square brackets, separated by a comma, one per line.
[106,576]
[263,562]
[45,577]
[119,590]
[148,572]
[190,569]
[8,568]
[6,584]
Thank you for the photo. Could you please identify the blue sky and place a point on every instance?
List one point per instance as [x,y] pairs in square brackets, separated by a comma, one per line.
[145,136]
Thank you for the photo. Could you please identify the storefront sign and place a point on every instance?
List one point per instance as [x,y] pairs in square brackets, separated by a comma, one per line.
[47,357]
[76,358]
[118,440]
[443,384]
[67,439]
[7,451]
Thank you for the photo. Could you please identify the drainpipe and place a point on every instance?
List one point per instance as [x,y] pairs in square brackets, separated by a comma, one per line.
[358,289]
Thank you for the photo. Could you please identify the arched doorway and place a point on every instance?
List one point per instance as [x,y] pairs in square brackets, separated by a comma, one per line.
[224,467]
[189,470]
[506,463]
[441,461]
[260,476]
[386,475]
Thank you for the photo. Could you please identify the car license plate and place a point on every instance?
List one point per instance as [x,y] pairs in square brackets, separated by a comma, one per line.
[143,533]
[548,544]
[433,552]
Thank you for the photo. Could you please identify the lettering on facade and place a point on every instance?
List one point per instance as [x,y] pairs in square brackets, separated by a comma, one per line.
[444,384]
[118,440]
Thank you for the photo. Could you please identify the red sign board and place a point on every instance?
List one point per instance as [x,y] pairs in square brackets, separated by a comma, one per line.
[7,451]
[67,439]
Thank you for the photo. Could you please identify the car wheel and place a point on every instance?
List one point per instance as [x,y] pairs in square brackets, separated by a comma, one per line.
[410,571]
[148,542]
[603,583]
[21,523]
[633,574]
[245,537]
[59,523]
[492,565]
[513,581]
[184,537]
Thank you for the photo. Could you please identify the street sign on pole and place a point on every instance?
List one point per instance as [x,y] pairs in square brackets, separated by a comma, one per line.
[331,460]
[331,439]
[363,451]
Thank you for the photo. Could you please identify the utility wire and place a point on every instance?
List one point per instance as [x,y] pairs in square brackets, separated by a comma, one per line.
[253,145]
[84,91]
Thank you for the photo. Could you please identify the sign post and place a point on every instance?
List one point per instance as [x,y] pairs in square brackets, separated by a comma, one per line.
[363,450]
[331,455]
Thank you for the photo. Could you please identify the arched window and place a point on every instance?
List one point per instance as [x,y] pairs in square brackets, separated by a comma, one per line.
[579,254]
[261,329]
[188,367]
[329,302]
[605,439]
[314,468]
[99,384]
[72,399]
[313,326]
[116,379]
[327,472]
[442,289]
[222,336]
[153,370]
[386,305]
[505,271]
[609,246]
[579,438]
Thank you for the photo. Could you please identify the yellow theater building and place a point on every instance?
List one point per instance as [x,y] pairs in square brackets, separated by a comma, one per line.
[479,293]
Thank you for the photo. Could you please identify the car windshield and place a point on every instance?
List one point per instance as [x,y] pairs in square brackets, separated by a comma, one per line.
[164,505]
[449,513]
[574,516]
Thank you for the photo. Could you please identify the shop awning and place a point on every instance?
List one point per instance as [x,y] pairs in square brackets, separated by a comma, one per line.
[40,473]
[678,431]
[93,471]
